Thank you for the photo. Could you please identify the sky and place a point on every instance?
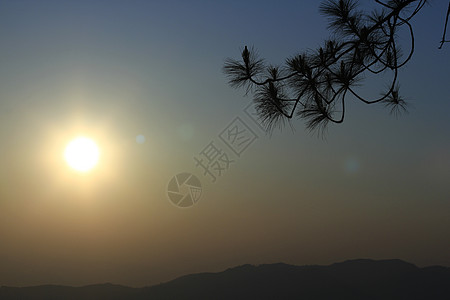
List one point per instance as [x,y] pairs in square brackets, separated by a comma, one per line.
[144,80]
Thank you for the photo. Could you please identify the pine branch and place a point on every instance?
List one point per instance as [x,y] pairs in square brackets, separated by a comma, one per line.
[314,85]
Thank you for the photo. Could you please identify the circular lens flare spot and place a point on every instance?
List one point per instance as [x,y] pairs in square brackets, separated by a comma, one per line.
[82,154]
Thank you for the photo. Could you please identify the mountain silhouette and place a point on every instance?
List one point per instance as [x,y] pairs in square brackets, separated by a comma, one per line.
[353,279]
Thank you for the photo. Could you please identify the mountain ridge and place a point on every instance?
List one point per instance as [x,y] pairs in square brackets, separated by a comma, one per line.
[351,279]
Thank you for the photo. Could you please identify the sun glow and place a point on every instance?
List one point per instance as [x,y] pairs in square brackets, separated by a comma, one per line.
[82,154]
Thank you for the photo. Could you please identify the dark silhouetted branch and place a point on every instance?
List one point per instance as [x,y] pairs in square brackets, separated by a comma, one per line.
[314,85]
[445,28]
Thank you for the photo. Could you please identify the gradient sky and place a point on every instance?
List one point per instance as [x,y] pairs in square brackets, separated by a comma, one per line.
[375,187]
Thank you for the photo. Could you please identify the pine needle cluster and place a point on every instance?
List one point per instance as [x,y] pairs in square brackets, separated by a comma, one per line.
[314,86]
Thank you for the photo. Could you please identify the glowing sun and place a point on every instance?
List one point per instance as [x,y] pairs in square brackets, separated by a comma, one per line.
[82,154]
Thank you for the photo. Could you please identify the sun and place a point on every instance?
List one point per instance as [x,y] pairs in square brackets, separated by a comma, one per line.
[82,154]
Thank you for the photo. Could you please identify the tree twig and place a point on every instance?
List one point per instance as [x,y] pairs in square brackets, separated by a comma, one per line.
[445,28]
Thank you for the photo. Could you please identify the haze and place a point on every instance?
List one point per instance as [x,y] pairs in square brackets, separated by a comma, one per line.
[144,80]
